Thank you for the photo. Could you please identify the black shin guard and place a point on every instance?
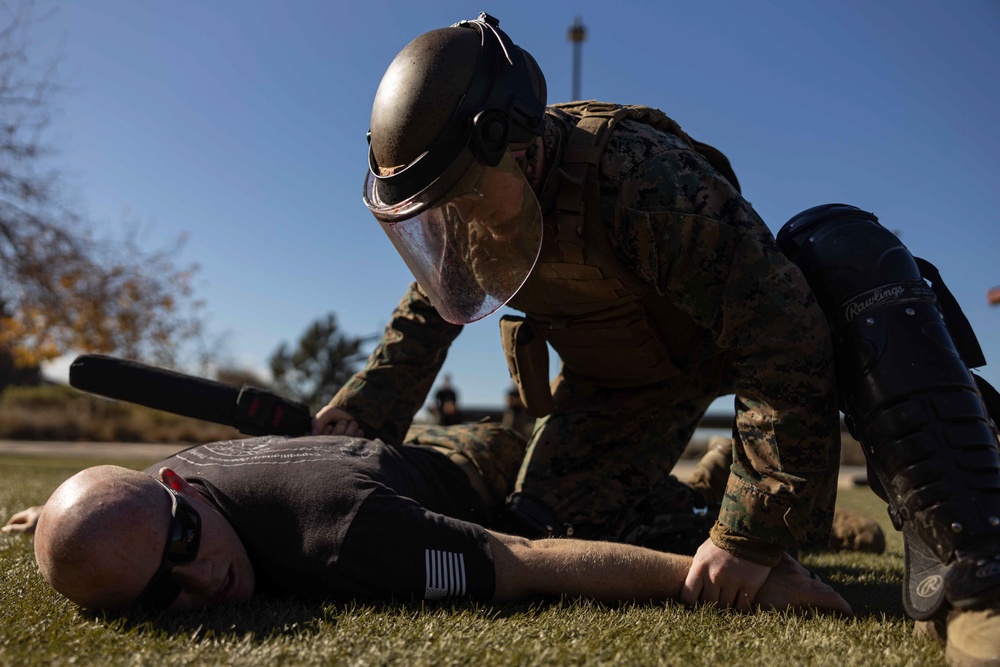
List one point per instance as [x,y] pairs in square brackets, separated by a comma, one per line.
[909,398]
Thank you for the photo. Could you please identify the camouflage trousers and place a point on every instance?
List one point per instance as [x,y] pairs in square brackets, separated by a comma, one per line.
[602,460]
[495,451]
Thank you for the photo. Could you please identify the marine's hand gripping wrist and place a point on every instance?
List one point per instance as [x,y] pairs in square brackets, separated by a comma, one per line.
[720,578]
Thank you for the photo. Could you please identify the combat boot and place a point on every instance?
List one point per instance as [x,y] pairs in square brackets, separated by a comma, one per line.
[711,474]
[852,531]
[972,636]
[934,629]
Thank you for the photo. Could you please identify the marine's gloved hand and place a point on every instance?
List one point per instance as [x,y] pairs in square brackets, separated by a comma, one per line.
[331,420]
[24,521]
[718,577]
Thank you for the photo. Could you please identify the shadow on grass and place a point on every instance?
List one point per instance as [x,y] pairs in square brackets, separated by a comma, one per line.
[869,597]
[257,618]
[263,618]
[269,617]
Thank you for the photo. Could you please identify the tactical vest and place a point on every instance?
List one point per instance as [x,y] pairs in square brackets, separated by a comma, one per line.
[607,324]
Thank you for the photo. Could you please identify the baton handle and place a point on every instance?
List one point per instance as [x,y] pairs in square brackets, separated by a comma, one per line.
[251,410]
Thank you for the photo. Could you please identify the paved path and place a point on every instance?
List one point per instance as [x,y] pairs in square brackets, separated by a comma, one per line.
[97,450]
[112,450]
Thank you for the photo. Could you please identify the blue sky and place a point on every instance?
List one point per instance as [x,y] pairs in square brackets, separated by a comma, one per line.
[242,125]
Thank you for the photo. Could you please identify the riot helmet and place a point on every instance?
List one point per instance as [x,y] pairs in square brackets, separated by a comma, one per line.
[442,181]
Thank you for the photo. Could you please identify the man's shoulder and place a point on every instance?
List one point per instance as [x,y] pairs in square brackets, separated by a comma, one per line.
[628,152]
[254,454]
[636,137]
[626,120]
[562,114]
[633,136]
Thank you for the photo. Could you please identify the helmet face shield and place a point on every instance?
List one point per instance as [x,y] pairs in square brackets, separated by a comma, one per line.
[472,249]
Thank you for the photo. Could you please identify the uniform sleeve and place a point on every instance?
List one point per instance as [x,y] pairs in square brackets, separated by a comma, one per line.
[395,547]
[690,234]
[395,382]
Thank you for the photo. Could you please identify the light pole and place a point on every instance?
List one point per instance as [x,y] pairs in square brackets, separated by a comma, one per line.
[577,33]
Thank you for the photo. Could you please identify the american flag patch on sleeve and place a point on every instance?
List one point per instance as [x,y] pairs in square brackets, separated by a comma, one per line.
[445,572]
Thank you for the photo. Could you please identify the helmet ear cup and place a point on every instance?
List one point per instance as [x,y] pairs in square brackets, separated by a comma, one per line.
[527,107]
[537,79]
[490,135]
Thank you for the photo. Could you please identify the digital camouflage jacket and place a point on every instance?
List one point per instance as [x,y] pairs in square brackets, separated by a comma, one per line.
[667,267]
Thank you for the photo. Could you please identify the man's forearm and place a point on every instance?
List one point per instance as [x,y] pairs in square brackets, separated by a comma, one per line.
[612,572]
[605,571]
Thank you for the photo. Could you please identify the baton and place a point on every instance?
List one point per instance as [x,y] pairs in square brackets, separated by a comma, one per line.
[251,410]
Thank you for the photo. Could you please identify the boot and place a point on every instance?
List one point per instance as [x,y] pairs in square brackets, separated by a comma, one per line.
[972,636]
[934,629]
[852,531]
[712,472]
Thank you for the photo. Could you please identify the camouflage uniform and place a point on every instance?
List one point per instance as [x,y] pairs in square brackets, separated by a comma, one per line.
[493,449]
[666,292]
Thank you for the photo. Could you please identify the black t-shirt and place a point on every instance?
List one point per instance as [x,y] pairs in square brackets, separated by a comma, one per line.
[331,516]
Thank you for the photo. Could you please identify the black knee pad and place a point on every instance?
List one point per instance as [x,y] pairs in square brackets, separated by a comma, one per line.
[908,395]
[903,377]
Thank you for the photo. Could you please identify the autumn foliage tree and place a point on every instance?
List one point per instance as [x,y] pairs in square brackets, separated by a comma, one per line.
[63,289]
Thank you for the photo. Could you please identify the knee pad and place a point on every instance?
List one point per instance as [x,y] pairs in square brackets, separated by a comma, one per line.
[903,350]
[905,388]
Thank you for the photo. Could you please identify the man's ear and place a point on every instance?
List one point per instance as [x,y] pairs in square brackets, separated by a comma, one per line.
[176,482]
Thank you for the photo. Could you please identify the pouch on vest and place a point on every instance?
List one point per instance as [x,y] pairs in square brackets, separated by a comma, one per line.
[528,361]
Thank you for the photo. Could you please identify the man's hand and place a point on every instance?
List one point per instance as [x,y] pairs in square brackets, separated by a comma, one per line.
[333,421]
[718,577]
[791,586]
[24,521]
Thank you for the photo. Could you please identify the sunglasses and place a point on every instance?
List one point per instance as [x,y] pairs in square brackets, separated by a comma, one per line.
[183,540]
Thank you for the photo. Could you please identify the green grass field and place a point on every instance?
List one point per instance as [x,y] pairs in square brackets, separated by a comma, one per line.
[37,627]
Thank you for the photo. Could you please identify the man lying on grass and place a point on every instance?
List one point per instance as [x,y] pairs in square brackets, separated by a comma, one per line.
[332,517]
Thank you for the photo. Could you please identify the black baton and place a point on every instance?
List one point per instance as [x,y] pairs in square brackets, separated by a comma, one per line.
[251,410]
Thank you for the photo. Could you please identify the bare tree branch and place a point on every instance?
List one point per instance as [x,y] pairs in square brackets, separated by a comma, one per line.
[62,289]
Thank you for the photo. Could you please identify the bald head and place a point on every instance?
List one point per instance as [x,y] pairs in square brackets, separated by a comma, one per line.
[101,535]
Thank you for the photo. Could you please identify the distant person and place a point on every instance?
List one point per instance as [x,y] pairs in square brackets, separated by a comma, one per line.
[446,403]
[336,517]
